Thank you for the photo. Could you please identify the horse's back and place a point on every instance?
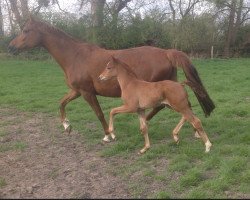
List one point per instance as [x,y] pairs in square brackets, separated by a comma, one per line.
[149,63]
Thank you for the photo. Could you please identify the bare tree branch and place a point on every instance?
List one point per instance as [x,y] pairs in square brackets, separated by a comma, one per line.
[122,4]
[172,9]
[57,2]
[14,8]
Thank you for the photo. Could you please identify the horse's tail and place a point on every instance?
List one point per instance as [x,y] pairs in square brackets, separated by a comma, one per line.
[180,59]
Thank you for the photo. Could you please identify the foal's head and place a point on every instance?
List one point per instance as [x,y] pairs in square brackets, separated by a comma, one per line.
[110,71]
[29,37]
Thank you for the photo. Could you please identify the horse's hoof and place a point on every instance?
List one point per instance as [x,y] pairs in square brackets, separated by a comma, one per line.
[68,129]
[67,126]
[106,139]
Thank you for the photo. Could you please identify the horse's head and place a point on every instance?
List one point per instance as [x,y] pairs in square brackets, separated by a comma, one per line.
[29,38]
[110,70]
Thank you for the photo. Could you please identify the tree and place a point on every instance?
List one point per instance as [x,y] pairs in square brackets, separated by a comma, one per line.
[15,10]
[115,9]
[1,20]
[97,15]
[236,12]
[100,10]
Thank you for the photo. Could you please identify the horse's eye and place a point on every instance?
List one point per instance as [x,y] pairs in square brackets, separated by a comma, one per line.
[108,68]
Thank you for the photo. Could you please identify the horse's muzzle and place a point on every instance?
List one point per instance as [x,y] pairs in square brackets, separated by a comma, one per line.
[13,50]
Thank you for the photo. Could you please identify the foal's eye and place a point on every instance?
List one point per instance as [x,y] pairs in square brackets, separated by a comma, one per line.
[25,31]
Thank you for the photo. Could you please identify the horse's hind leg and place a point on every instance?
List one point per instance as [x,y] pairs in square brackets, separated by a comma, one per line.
[195,121]
[177,129]
[65,100]
[144,131]
[154,112]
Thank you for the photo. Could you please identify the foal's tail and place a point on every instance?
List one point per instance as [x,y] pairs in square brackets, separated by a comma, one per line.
[180,59]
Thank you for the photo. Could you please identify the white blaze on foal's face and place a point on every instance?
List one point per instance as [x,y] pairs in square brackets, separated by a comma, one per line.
[110,70]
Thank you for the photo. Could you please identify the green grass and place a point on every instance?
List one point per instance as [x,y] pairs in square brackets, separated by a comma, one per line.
[10,146]
[2,182]
[181,171]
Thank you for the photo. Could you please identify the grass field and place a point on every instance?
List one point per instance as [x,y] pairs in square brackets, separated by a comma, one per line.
[178,171]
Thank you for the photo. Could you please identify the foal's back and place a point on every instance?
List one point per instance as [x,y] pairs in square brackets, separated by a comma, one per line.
[151,94]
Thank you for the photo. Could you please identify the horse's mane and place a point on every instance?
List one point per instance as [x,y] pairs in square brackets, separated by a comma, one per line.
[126,67]
[45,27]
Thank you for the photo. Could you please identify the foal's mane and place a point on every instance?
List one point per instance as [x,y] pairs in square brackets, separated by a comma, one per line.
[126,67]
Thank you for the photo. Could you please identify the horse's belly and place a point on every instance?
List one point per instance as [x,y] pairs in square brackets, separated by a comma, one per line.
[108,88]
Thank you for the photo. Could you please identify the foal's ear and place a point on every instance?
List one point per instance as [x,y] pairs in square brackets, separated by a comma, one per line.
[115,59]
[32,18]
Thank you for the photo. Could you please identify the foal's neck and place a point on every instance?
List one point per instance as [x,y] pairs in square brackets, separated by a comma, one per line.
[124,76]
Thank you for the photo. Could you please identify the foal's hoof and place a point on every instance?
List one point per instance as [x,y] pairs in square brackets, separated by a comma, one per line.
[208,146]
[113,137]
[142,151]
[107,139]
[176,139]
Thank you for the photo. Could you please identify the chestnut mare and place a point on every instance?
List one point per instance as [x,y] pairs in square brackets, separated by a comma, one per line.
[82,63]
[139,95]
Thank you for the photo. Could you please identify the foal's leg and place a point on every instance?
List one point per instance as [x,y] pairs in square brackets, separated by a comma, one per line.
[93,102]
[195,121]
[196,134]
[144,131]
[113,112]
[65,100]
[177,129]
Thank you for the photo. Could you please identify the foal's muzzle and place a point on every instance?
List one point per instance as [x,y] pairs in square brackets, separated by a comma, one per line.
[102,78]
[13,50]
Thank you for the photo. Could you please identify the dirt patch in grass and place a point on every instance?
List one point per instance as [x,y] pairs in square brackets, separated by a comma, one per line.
[50,163]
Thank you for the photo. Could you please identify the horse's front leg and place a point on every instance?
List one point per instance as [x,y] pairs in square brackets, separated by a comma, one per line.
[93,102]
[65,100]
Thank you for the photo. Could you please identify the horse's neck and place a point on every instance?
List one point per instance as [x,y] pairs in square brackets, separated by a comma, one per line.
[62,48]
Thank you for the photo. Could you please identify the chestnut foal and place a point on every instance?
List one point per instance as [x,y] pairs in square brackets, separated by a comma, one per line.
[139,95]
